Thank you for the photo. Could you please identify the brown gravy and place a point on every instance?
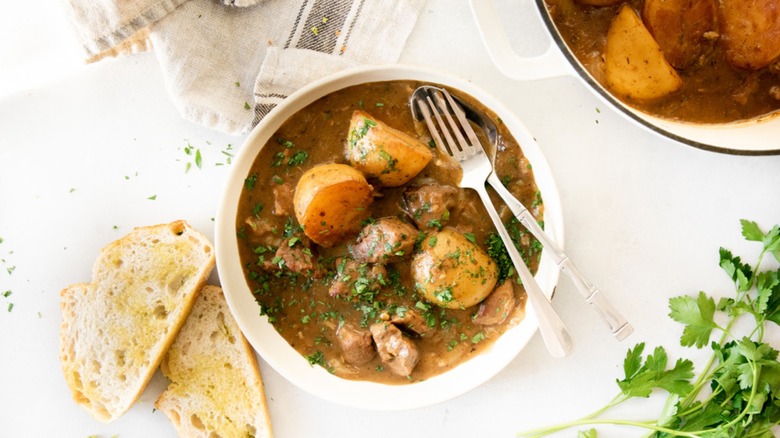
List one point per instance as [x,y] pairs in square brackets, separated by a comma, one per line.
[299,307]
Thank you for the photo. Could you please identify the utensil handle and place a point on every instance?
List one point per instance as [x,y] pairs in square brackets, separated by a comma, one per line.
[550,64]
[617,324]
[556,336]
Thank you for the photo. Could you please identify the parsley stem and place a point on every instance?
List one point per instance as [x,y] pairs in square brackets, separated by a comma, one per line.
[650,425]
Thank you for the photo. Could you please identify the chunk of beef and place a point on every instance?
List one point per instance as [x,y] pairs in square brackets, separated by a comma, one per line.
[283,199]
[412,321]
[497,306]
[296,254]
[396,350]
[261,231]
[430,205]
[355,279]
[356,345]
[387,240]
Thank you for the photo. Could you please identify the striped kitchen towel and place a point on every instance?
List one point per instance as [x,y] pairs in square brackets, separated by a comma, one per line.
[227,63]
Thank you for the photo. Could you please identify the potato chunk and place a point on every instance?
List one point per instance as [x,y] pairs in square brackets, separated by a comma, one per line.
[452,271]
[684,29]
[384,153]
[751,32]
[330,201]
[635,66]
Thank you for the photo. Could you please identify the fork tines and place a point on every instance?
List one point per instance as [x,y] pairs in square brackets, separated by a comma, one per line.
[439,106]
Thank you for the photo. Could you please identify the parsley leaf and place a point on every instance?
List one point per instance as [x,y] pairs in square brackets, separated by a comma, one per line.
[641,380]
[698,317]
[751,231]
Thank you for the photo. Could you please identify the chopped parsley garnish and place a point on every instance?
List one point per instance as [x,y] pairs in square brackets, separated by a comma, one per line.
[537,199]
[444,295]
[391,162]
[298,158]
[361,132]
[497,251]
[250,181]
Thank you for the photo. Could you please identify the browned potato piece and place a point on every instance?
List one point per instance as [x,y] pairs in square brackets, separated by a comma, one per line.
[331,201]
[635,66]
[452,271]
[384,153]
[751,32]
[682,28]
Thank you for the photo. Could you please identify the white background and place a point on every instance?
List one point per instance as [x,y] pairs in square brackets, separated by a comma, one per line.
[82,148]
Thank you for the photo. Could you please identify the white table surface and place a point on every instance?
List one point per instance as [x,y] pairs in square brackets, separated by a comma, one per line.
[82,148]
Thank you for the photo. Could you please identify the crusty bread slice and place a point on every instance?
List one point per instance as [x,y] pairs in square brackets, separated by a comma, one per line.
[116,329]
[216,388]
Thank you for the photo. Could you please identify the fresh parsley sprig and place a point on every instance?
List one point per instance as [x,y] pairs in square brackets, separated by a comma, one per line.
[741,377]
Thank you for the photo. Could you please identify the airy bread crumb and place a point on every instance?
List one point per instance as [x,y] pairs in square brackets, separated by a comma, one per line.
[116,329]
[216,389]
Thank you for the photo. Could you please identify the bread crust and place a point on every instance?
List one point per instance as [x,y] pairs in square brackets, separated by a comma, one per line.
[116,329]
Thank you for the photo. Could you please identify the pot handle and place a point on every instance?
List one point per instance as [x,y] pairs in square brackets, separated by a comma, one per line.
[548,65]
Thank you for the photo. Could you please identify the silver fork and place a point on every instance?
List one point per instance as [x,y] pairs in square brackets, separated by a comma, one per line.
[614,320]
[476,169]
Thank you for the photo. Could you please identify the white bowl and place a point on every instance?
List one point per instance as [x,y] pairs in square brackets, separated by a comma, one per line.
[289,363]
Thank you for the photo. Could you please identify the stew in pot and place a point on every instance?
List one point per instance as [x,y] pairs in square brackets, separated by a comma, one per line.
[703,61]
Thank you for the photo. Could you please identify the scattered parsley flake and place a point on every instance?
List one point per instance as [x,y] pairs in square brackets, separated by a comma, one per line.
[246,106]
[198,159]
[152,198]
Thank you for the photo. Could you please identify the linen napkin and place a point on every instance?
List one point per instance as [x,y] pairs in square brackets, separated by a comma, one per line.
[227,63]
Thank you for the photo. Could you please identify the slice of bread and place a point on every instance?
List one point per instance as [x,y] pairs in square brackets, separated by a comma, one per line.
[116,329]
[216,388]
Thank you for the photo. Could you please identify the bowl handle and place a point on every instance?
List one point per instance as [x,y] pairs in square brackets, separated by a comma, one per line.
[548,65]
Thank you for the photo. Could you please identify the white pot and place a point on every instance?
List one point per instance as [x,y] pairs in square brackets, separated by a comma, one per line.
[754,137]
